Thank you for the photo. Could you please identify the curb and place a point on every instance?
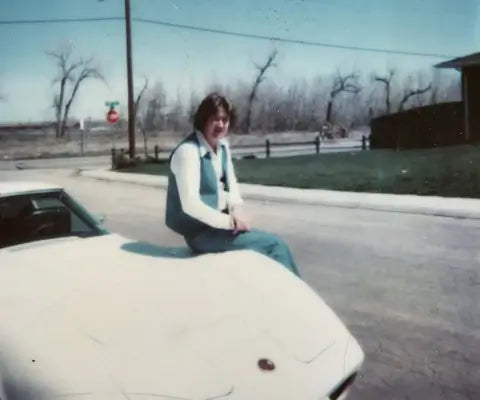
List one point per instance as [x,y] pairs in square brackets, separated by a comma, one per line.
[410,204]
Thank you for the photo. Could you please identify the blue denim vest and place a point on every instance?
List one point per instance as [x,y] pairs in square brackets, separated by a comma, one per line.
[175,218]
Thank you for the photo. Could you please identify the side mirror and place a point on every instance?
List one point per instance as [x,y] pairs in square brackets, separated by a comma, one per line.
[100,218]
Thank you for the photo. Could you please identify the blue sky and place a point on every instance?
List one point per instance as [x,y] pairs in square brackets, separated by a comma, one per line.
[184,60]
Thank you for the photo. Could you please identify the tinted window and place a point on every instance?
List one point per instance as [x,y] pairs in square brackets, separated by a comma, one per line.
[26,218]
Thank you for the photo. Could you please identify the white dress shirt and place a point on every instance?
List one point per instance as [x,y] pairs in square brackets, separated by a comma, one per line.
[185,165]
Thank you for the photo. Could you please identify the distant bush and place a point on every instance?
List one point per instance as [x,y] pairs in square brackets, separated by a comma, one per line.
[123,161]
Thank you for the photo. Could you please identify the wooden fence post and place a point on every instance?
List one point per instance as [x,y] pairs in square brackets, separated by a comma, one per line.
[317,144]
[113,157]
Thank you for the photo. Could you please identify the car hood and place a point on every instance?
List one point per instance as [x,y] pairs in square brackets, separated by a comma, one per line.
[110,317]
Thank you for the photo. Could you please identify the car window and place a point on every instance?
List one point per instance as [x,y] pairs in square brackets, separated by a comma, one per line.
[43,203]
[26,218]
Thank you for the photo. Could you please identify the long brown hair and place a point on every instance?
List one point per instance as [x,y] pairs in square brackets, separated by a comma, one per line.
[210,106]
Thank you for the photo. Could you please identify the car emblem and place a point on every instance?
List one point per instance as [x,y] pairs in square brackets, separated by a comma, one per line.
[266,365]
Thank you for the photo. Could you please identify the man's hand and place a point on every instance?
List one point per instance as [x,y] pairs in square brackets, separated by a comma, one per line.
[241,221]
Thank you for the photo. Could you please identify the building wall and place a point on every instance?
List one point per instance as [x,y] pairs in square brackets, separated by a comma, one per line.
[424,127]
[471,91]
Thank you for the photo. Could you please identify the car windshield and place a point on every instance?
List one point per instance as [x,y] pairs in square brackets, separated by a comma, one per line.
[39,216]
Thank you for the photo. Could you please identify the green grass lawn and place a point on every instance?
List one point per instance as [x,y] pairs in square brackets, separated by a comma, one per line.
[449,171]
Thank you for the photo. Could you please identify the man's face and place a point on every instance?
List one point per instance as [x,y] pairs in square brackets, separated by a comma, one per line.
[216,127]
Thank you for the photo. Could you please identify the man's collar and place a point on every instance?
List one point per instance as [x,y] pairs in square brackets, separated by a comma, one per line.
[204,146]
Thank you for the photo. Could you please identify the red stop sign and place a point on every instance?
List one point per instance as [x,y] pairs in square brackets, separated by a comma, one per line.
[113,116]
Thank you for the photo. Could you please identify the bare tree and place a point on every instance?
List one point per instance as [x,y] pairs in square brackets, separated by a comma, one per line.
[192,105]
[176,120]
[71,74]
[157,100]
[239,95]
[140,96]
[3,96]
[446,87]
[409,93]
[177,117]
[387,81]
[451,89]
[262,69]
[319,94]
[341,84]
[139,121]
[436,83]
[424,79]
[356,110]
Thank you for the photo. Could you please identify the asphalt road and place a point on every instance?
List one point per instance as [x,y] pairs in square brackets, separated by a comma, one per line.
[407,286]
[57,163]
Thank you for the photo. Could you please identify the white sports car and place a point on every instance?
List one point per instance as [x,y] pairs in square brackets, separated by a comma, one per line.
[87,314]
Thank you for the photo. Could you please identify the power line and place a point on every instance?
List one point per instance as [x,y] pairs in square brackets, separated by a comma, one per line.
[231,33]
[59,20]
[397,7]
[287,40]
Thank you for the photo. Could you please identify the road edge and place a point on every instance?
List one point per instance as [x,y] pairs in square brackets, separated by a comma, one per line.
[412,204]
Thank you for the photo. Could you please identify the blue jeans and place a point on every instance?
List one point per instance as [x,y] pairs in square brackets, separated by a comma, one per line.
[213,240]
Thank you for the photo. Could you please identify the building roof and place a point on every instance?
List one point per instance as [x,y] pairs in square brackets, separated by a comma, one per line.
[472,60]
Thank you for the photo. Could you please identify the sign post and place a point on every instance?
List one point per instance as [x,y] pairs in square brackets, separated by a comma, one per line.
[82,128]
[112,115]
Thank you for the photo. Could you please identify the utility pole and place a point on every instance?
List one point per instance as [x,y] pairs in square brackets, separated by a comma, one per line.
[131,104]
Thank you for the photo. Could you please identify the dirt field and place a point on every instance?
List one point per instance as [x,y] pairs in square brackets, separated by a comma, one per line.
[36,144]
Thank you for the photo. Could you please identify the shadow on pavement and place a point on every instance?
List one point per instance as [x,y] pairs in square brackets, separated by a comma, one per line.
[148,249]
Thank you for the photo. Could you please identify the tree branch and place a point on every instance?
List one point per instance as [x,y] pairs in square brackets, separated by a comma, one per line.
[410,93]
[67,74]
[140,95]
[387,81]
[259,79]
[342,84]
